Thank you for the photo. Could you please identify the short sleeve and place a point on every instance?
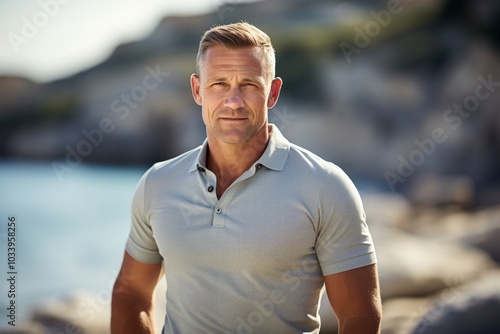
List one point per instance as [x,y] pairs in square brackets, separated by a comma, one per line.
[344,241]
[141,244]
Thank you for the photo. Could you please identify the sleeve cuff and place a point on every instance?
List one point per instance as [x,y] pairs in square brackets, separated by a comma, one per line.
[142,254]
[352,263]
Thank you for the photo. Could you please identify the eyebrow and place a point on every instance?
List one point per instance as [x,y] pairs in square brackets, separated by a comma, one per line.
[244,80]
[216,79]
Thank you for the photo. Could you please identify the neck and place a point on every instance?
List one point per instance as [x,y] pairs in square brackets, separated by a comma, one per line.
[229,161]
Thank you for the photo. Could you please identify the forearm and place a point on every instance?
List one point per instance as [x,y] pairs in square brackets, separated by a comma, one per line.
[130,315]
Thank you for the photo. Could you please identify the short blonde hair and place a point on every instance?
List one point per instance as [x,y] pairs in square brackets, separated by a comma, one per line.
[237,35]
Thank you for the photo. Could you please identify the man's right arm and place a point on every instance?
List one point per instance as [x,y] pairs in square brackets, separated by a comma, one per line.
[132,310]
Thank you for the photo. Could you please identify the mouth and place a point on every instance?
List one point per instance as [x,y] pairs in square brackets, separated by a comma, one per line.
[233,119]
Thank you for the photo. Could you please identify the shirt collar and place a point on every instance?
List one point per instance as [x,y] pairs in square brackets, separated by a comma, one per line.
[201,158]
[274,157]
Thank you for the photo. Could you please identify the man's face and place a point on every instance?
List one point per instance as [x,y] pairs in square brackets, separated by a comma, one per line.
[235,92]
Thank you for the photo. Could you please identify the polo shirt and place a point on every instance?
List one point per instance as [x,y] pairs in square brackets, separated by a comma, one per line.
[252,261]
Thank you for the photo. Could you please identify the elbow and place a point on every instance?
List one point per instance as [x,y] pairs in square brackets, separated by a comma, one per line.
[373,319]
[376,321]
[367,322]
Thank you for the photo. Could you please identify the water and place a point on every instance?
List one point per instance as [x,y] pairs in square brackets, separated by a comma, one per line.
[71,234]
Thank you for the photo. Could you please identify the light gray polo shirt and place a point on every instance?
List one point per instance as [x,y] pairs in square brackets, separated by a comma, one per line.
[252,261]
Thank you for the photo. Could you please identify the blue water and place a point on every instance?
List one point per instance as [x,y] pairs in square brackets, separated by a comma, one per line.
[71,233]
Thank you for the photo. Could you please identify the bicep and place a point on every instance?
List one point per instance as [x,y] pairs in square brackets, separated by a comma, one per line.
[354,293]
[138,278]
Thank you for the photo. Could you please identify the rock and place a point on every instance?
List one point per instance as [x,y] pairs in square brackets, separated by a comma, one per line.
[82,312]
[79,313]
[401,315]
[88,313]
[486,233]
[473,308]
[438,190]
[410,265]
[460,309]
[386,209]
[479,229]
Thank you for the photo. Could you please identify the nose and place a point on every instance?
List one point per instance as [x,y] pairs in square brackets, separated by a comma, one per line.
[233,99]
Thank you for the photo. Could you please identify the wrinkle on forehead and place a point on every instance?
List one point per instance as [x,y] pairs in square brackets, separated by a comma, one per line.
[219,60]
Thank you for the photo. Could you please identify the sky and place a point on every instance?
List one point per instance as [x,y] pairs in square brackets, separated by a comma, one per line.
[44,40]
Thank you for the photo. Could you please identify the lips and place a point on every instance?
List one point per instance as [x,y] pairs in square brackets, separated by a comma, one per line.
[234,119]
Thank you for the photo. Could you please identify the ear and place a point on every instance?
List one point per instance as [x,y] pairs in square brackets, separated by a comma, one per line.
[275,92]
[195,88]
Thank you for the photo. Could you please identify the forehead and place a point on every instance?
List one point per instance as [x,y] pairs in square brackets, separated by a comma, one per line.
[219,59]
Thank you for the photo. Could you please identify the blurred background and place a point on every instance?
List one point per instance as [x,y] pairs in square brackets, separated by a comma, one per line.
[403,95]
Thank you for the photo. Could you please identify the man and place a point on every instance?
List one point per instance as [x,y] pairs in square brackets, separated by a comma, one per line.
[249,226]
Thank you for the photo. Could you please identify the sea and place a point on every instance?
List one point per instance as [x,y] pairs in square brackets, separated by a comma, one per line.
[70,232]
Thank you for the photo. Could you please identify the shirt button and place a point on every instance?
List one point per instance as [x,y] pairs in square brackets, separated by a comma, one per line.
[201,169]
[218,210]
[258,166]
[210,189]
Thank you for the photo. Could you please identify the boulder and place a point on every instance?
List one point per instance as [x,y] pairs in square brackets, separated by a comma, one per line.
[474,308]
[485,232]
[479,229]
[410,265]
[79,313]
[386,209]
[438,190]
[401,315]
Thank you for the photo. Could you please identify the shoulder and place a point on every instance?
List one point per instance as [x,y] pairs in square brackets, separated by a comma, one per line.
[327,178]
[308,162]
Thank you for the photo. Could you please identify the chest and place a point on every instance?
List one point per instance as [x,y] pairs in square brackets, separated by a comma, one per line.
[250,226]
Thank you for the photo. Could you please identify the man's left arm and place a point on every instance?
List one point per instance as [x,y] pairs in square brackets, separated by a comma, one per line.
[355,298]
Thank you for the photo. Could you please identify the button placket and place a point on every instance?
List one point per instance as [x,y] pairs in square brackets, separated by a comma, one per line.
[221,207]
[219,217]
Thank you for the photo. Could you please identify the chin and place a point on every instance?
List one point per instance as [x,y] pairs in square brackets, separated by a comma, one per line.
[233,137]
